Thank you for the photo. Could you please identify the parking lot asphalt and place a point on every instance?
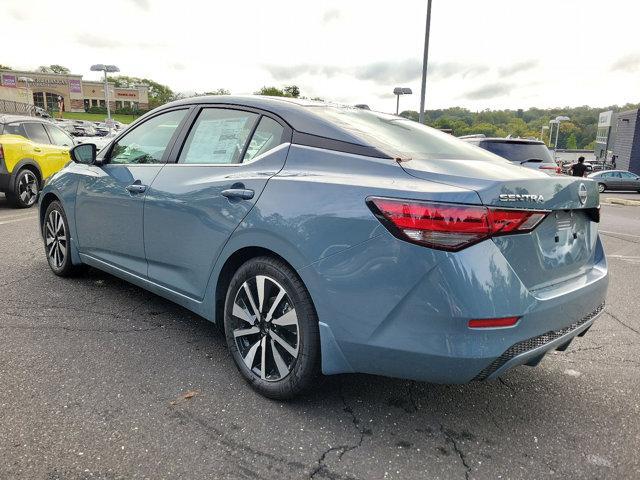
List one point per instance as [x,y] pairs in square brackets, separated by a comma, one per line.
[100,379]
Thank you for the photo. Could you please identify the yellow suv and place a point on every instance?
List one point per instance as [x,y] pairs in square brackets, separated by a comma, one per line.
[31,150]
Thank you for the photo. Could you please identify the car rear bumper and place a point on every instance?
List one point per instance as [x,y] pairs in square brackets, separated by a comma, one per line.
[390,308]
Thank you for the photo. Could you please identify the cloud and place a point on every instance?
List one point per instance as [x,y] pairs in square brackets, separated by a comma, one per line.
[93,40]
[143,4]
[17,15]
[290,72]
[517,68]
[491,90]
[444,70]
[629,63]
[330,15]
[388,72]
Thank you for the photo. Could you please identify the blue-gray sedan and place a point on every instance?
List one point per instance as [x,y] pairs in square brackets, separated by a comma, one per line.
[334,239]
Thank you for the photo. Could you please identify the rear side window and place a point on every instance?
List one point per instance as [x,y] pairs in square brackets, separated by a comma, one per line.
[400,137]
[520,152]
[268,135]
[218,137]
[36,132]
[58,137]
[14,129]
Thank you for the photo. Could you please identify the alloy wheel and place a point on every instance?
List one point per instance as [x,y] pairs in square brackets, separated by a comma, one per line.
[265,328]
[28,188]
[601,188]
[56,239]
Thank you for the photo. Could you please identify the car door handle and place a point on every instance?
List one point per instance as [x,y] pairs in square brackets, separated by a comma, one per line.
[136,188]
[36,149]
[243,193]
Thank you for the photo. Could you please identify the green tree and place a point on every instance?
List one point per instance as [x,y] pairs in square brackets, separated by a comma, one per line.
[5,67]
[55,68]
[159,94]
[288,91]
[219,91]
[572,143]
[291,91]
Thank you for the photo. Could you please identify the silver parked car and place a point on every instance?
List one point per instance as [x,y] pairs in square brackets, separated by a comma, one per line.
[616,180]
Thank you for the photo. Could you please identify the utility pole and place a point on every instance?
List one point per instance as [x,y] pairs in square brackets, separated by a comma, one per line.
[424,62]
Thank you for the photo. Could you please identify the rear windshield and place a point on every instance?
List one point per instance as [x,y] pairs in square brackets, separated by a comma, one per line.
[520,152]
[400,137]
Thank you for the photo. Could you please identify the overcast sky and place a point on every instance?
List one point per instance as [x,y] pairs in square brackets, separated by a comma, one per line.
[483,54]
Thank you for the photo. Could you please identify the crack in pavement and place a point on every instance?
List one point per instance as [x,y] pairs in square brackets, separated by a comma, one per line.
[454,444]
[621,322]
[322,469]
[510,387]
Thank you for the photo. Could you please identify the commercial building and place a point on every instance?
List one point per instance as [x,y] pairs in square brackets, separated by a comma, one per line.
[626,142]
[52,91]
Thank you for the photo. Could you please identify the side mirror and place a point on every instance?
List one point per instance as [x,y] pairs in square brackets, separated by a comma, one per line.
[84,153]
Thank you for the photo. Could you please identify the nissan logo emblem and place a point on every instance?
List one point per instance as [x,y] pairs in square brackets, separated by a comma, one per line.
[582,193]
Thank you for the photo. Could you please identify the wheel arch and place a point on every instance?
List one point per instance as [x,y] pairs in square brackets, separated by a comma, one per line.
[47,199]
[29,164]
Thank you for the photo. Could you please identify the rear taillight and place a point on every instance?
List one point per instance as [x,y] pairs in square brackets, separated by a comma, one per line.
[447,226]
[1,153]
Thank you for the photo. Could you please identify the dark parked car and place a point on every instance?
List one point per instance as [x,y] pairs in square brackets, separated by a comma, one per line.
[528,153]
[616,180]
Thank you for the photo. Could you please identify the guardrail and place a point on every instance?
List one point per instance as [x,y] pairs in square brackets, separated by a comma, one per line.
[9,106]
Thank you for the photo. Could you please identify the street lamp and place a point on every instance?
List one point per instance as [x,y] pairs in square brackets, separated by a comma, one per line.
[559,119]
[110,69]
[544,127]
[26,81]
[400,91]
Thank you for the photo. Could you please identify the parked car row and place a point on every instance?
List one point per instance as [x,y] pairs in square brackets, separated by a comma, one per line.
[34,148]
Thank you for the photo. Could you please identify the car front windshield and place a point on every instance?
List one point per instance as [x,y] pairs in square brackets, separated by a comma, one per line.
[400,137]
[519,151]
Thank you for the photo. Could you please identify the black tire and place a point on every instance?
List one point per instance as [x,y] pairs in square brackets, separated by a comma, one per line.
[284,375]
[25,189]
[601,187]
[57,248]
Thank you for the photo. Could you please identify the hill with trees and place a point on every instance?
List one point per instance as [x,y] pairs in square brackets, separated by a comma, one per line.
[579,132]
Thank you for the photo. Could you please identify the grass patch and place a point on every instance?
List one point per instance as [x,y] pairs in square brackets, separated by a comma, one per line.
[97,117]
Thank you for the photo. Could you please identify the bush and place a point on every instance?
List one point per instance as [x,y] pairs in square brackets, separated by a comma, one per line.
[102,110]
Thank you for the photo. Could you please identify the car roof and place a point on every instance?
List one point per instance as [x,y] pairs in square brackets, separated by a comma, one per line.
[10,118]
[506,140]
[609,171]
[298,113]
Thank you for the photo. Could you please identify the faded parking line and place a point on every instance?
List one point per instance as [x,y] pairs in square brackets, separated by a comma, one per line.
[18,219]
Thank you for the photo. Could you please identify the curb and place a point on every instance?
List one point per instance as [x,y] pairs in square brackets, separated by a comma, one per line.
[622,201]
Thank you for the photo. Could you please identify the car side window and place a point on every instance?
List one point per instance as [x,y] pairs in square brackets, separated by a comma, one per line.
[627,175]
[58,137]
[218,136]
[14,129]
[268,135]
[615,175]
[36,132]
[147,142]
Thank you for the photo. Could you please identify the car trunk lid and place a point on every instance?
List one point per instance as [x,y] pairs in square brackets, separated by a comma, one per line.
[562,246]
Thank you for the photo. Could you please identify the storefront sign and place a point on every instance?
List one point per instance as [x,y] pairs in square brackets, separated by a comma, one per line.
[75,86]
[44,82]
[9,80]
[126,94]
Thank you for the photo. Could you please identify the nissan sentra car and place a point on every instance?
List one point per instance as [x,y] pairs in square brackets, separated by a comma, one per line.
[328,239]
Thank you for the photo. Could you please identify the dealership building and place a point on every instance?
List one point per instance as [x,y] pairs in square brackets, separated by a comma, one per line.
[71,92]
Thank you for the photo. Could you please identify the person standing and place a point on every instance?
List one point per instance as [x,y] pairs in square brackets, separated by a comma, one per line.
[578,169]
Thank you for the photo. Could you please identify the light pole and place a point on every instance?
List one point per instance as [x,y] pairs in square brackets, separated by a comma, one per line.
[544,127]
[559,119]
[424,63]
[110,69]
[551,124]
[400,91]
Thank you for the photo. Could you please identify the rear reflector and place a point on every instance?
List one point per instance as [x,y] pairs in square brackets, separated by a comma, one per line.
[447,226]
[493,322]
